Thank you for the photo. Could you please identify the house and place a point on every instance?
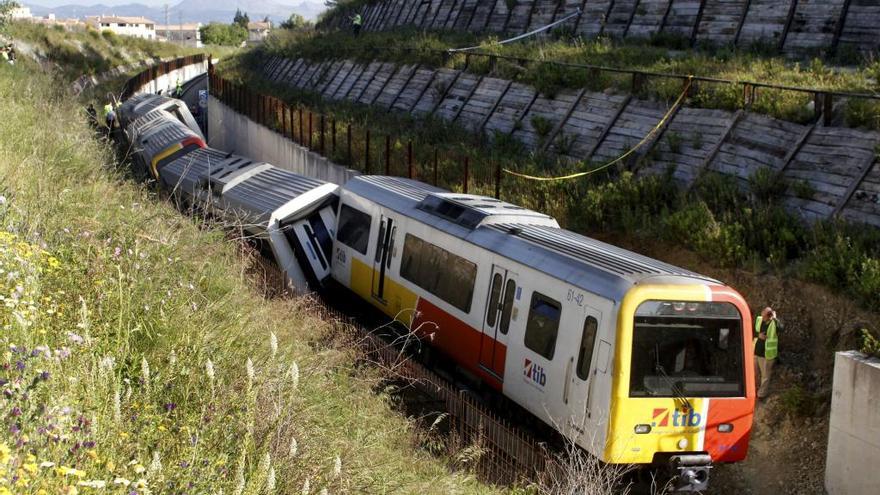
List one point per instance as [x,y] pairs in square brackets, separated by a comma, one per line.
[181,34]
[138,27]
[20,13]
[258,31]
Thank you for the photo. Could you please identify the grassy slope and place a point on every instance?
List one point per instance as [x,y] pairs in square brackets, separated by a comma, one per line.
[725,63]
[114,303]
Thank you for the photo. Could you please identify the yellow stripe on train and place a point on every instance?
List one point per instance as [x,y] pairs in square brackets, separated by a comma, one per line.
[671,429]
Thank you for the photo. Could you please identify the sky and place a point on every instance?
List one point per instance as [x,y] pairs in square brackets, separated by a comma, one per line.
[150,3]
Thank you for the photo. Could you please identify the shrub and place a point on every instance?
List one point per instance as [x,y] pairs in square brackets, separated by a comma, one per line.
[542,125]
[861,112]
[721,192]
[803,189]
[870,345]
[673,140]
[765,184]
[110,36]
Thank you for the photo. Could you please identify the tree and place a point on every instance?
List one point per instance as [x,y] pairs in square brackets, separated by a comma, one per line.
[217,33]
[296,22]
[6,8]
[241,19]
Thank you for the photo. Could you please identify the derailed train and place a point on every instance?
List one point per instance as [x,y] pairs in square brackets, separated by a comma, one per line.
[635,360]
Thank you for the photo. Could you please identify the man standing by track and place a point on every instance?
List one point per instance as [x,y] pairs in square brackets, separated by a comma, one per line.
[766,343]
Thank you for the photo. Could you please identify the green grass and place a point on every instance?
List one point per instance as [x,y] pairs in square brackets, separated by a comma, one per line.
[91,52]
[751,64]
[113,306]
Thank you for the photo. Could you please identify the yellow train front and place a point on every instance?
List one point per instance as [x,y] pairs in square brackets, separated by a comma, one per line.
[636,361]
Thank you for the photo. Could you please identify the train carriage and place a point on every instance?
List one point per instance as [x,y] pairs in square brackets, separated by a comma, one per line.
[635,360]
[143,108]
[290,214]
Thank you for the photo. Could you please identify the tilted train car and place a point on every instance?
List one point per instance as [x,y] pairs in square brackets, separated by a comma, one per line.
[291,214]
[635,360]
[161,141]
[139,106]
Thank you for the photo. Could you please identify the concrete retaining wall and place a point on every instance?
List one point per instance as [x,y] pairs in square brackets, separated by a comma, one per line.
[854,433]
[795,26]
[167,82]
[235,133]
[838,164]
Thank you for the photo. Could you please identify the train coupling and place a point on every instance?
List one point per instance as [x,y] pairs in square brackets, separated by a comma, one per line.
[691,472]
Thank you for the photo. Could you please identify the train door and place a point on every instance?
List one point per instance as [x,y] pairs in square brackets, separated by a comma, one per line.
[580,367]
[382,259]
[499,309]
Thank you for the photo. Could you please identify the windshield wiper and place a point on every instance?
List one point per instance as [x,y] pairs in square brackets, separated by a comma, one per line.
[677,392]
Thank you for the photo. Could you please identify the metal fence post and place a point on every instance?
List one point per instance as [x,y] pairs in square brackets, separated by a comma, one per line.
[467,171]
[311,131]
[348,131]
[387,154]
[828,109]
[322,135]
[333,133]
[498,180]
[367,154]
[302,134]
[436,160]
[409,159]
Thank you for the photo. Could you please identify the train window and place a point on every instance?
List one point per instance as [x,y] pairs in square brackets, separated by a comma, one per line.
[543,325]
[354,229]
[507,308]
[687,348]
[585,354]
[492,307]
[444,274]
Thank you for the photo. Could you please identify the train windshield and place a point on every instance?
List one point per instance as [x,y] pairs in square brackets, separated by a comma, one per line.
[690,349]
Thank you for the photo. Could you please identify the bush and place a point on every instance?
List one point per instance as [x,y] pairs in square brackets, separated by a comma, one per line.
[216,33]
[765,184]
[870,345]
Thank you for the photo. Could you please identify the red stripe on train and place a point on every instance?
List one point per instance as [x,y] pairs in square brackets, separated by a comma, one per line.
[459,341]
[739,412]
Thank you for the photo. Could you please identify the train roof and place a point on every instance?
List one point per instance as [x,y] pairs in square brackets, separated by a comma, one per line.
[530,238]
[158,135]
[256,192]
[139,110]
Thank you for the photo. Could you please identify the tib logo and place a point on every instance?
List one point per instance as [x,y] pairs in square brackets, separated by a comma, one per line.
[534,373]
[684,418]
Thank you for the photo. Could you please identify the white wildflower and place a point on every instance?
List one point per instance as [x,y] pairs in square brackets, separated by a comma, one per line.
[324,491]
[121,481]
[273,344]
[249,367]
[306,487]
[93,484]
[294,448]
[145,371]
[239,479]
[2,200]
[172,359]
[270,480]
[117,406]
[337,467]
[294,375]
[209,370]
[47,464]
[155,466]
[106,364]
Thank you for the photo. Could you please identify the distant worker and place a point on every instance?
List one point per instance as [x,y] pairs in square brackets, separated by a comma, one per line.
[11,50]
[4,54]
[766,344]
[109,114]
[357,23]
[178,89]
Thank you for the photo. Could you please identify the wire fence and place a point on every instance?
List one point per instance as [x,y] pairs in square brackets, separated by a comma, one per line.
[361,147]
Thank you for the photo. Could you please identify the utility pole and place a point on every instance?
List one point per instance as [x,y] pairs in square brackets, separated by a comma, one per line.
[167,26]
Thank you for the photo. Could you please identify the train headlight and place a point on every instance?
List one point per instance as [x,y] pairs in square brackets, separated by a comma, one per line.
[642,429]
[725,428]
[682,444]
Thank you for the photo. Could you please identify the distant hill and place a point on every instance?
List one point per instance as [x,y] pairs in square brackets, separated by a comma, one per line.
[187,11]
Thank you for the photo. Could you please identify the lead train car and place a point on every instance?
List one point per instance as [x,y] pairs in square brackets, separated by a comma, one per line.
[637,361]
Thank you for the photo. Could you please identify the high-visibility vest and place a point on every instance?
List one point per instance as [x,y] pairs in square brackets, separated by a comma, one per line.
[5,54]
[108,109]
[771,345]
[358,20]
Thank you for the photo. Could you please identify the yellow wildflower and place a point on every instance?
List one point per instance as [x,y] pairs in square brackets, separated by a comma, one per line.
[92,454]
[4,454]
[30,468]
[110,466]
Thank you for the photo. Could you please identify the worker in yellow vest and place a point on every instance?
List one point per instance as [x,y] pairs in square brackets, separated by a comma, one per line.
[357,23]
[766,344]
